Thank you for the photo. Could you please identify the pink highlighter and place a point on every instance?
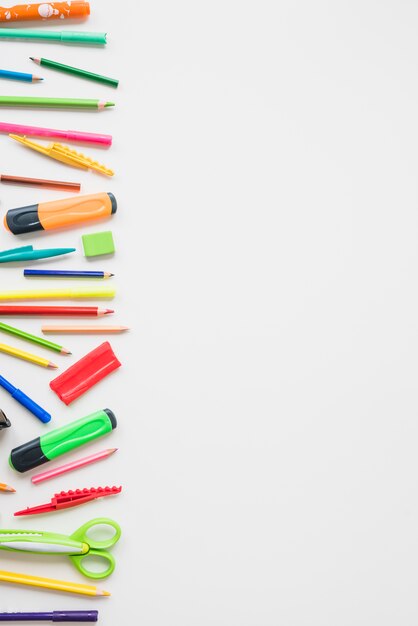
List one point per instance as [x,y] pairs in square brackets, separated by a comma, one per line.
[69,135]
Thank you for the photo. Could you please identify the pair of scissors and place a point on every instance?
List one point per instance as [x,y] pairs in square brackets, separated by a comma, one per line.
[77,546]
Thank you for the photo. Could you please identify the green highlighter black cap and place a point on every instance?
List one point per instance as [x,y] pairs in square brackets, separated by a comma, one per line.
[61,440]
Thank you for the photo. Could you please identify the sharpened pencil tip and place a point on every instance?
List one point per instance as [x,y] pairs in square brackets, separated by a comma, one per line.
[107,311]
[52,366]
[99,592]
[65,351]
[9,489]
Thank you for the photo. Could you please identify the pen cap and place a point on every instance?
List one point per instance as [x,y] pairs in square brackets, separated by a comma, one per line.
[74,616]
[4,422]
[85,373]
[61,440]
[60,213]
[69,36]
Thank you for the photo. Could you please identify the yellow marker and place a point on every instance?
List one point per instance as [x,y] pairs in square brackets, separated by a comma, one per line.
[27,356]
[53,294]
[51,583]
[65,154]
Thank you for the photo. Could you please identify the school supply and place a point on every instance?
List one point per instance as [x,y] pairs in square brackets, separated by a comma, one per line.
[20,76]
[4,422]
[57,311]
[54,103]
[56,442]
[69,135]
[75,71]
[78,546]
[65,36]
[66,274]
[51,583]
[70,499]
[97,244]
[4,487]
[27,356]
[55,294]
[85,373]
[25,401]
[27,253]
[49,345]
[45,11]
[69,467]
[39,182]
[83,330]
[60,213]
[51,616]
[66,155]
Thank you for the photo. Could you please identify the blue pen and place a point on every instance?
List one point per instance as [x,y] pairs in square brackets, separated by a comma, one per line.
[26,78]
[25,401]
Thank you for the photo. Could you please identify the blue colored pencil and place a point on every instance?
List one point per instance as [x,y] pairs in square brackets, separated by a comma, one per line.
[67,273]
[26,78]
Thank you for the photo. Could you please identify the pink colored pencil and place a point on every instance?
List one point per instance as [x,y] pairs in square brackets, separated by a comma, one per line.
[62,469]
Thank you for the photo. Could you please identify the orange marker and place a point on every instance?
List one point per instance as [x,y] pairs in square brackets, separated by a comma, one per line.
[60,213]
[45,11]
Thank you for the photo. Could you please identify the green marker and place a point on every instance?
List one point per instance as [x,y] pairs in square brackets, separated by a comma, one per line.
[61,440]
[55,103]
[75,71]
[67,36]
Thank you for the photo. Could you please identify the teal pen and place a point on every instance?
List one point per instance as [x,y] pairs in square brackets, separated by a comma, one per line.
[66,36]
[26,253]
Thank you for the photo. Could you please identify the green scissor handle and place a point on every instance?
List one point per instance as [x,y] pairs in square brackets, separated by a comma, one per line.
[96,548]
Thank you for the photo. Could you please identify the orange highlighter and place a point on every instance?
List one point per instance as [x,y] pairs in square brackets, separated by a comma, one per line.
[45,11]
[60,213]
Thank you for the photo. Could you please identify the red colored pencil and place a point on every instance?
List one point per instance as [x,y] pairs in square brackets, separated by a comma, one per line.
[91,311]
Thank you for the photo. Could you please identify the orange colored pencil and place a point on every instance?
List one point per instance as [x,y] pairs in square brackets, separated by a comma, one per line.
[4,487]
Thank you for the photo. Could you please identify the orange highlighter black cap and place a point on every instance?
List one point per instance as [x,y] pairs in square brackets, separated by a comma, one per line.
[60,213]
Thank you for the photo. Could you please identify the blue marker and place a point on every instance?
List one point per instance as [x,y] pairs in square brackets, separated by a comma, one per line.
[25,401]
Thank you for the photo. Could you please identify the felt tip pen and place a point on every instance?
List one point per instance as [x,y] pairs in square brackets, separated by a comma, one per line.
[66,36]
[69,135]
[51,616]
[60,213]
[25,401]
[61,440]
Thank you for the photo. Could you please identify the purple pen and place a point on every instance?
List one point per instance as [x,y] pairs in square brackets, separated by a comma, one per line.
[51,616]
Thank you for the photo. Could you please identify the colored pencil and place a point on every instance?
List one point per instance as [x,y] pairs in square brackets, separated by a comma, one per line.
[27,356]
[53,294]
[67,273]
[68,311]
[75,71]
[69,467]
[51,583]
[21,76]
[40,182]
[55,103]
[33,338]
[83,330]
[4,487]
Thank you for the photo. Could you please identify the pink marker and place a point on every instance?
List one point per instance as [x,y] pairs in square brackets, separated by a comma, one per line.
[62,469]
[69,135]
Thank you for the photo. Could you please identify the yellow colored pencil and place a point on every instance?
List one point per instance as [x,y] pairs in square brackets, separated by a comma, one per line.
[52,294]
[27,356]
[51,583]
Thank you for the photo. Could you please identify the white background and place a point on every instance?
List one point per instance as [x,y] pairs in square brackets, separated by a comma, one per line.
[266,171]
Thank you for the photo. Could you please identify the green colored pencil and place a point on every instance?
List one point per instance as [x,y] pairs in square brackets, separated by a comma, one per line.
[50,345]
[60,103]
[76,71]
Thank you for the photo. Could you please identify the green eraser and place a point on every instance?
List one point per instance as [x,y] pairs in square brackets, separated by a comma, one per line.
[98,243]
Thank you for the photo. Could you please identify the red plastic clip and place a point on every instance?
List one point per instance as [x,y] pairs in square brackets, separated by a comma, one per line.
[68,499]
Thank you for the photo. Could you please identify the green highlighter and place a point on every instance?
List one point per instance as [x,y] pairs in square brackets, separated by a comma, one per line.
[66,36]
[61,440]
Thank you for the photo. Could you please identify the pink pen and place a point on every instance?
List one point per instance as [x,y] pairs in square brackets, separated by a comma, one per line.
[62,469]
[69,135]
